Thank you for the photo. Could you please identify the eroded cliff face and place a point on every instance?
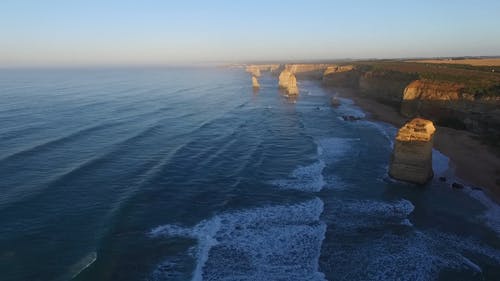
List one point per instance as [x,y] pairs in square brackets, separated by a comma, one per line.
[288,82]
[344,76]
[256,69]
[450,105]
[384,86]
[432,90]
[412,156]
[307,70]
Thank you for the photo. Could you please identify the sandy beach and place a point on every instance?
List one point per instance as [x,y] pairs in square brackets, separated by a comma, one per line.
[474,163]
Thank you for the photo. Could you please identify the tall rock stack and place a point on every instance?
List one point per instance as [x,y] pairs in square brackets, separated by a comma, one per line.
[255,83]
[288,82]
[412,156]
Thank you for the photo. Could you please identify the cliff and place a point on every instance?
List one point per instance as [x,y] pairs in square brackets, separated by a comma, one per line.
[412,156]
[307,70]
[434,90]
[340,76]
[256,69]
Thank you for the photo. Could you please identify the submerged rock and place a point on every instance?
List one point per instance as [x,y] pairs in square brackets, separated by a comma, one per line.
[412,156]
[335,102]
[288,82]
[255,83]
[457,185]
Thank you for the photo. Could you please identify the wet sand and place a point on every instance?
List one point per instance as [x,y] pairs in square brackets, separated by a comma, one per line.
[474,163]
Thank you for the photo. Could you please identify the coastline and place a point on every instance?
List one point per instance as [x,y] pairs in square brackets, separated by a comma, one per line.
[474,163]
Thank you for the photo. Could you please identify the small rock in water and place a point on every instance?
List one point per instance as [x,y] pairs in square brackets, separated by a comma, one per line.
[350,118]
[457,185]
[443,179]
[335,102]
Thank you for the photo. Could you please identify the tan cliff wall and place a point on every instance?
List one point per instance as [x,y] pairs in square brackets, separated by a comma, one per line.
[384,86]
[449,104]
[344,76]
[256,69]
[446,103]
[307,70]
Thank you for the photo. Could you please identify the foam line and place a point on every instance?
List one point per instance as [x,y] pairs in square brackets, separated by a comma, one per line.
[267,243]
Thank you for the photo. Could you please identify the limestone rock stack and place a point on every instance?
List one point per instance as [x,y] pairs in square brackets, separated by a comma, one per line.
[288,81]
[255,83]
[412,156]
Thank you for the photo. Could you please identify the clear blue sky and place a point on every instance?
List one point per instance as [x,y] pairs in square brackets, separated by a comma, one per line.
[87,32]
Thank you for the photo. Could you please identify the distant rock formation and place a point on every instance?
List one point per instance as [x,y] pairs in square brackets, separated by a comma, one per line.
[253,70]
[343,76]
[256,69]
[288,82]
[337,69]
[255,83]
[412,156]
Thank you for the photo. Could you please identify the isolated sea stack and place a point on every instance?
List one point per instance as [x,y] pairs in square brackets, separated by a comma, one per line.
[288,82]
[255,83]
[412,156]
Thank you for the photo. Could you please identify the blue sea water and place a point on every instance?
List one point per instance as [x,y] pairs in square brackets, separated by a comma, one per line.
[189,174]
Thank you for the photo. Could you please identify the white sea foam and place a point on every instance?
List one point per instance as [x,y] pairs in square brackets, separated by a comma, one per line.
[347,107]
[310,178]
[388,131]
[412,256]
[305,178]
[491,216]
[363,248]
[268,243]
[354,214]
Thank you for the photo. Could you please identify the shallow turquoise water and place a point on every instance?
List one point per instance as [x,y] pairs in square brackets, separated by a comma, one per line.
[187,174]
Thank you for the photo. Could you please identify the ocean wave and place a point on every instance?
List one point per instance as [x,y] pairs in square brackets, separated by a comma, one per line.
[374,240]
[310,177]
[267,243]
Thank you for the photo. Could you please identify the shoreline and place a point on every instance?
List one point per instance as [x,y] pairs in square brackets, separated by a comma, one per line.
[473,163]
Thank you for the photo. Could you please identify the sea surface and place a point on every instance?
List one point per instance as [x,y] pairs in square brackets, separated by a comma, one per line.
[189,174]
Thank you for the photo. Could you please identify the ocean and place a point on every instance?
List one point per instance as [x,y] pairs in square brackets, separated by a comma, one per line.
[189,174]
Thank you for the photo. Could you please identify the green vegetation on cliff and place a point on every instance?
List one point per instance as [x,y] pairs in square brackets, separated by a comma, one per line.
[479,81]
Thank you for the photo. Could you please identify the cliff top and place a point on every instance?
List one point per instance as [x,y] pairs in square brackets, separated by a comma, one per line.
[417,129]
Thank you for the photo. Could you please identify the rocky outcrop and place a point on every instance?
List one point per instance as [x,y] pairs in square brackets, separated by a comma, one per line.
[256,69]
[255,83]
[432,90]
[337,69]
[288,82]
[412,156]
[384,85]
[253,70]
[307,70]
[343,76]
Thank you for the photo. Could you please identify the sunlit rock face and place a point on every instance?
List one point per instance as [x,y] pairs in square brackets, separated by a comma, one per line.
[412,156]
[255,83]
[288,82]
[432,90]
[253,70]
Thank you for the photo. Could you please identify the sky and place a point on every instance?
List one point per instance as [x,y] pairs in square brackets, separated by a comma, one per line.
[157,32]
